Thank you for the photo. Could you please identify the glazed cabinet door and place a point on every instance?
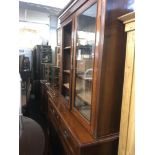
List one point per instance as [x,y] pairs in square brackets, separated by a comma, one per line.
[84,49]
[67,52]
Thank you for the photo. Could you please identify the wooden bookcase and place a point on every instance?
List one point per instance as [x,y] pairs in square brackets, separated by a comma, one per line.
[86,111]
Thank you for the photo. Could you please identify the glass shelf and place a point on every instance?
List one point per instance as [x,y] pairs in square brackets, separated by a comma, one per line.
[66,85]
[83,108]
[67,47]
[83,77]
[85,96]
[66,71]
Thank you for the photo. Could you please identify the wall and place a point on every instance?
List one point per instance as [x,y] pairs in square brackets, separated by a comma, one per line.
[36,28]
[33,28]
[33,16]
[53,35]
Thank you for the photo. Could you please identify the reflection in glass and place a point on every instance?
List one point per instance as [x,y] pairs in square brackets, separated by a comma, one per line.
[85,47]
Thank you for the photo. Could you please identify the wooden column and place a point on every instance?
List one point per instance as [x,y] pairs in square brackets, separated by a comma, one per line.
[127,125]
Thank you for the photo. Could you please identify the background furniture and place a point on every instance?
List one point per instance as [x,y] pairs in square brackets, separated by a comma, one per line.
[41,61]
[41,54]
[24,70]
[127,126]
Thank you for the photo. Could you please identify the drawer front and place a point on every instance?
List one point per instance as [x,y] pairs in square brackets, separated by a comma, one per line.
[68,139]
[53,116]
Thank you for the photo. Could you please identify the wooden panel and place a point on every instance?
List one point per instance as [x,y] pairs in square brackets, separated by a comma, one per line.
[129,26]
[126,142]
[109,67]
[130,150]
[107,148]
[68,139]
[111,80]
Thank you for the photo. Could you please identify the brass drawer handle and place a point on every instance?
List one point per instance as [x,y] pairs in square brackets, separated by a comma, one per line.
[66,134]
[57,116]
[52,110]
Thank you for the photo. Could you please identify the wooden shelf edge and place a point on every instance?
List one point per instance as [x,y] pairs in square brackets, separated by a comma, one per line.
[66,71]
[67,47]
[81,77]
[83,97]
[66,85]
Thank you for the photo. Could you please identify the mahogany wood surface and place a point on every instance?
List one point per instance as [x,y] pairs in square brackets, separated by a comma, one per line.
[110,68]
[100,135]
[108,64]
[75,138]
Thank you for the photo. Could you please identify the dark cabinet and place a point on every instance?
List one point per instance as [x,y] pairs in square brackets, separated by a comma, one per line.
[41,60]
[41,54]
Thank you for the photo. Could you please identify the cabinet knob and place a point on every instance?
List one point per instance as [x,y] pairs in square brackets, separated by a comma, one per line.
[66,134]
[57,116]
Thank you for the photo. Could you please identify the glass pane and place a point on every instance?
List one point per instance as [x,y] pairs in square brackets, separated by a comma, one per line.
[85,48]
[67,33]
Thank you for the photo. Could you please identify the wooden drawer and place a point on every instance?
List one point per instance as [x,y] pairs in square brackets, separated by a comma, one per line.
[53,115]
[68,139]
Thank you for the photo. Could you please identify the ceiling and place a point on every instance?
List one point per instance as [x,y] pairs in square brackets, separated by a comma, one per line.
[52,7]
